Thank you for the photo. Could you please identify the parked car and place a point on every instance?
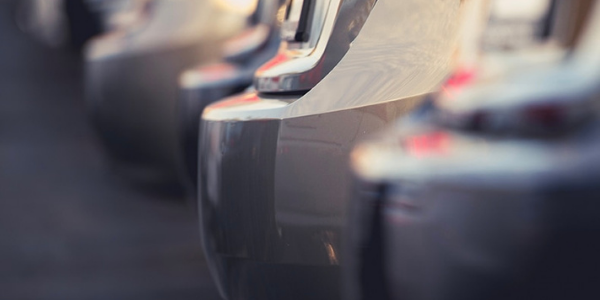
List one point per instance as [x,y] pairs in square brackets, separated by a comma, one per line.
[488,192]
[74,22]
[207,83]
[272,184]
[132,81]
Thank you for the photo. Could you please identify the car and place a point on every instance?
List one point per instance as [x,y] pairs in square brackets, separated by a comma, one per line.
[488,191]
[131,78]
[207,83]
[272,161]
[58,23]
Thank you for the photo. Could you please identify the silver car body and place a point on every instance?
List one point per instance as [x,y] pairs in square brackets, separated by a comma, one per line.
[207,83]
[273,186]
[489,193]
[132,87]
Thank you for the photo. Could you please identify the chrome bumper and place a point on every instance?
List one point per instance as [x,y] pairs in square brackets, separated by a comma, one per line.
[195,96]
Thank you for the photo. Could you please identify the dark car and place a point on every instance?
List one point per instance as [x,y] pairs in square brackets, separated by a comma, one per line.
[489,191]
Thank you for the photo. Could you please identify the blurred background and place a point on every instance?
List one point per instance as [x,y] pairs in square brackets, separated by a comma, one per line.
[70,228]
[100,119]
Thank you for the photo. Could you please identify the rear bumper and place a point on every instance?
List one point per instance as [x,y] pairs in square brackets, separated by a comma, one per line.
[273,192]
[132,98]
[199,88]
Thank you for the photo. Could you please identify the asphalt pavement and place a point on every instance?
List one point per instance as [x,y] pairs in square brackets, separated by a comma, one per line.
[70,228]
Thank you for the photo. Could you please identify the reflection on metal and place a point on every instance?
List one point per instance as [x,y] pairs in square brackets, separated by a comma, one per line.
[45,19]
[482,212]
[131,82]
[488,208]
[417,65]
[273,182]
[205,84]
[503,48]
[247,42]
[327,28]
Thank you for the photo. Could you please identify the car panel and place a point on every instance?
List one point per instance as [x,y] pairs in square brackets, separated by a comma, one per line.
[286,214]
[466,213]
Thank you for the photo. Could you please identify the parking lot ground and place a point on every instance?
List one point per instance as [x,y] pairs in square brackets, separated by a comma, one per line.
[69,228]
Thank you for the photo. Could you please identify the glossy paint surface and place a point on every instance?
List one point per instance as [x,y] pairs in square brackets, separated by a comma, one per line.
[208,83]
[132,106]
[406,57]
[217,82]
[255,209]
[302,64]
[273,185]
[504,211]
[132,88]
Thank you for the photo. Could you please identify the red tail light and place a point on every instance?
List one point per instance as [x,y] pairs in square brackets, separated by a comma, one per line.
[431,143]
[457,81]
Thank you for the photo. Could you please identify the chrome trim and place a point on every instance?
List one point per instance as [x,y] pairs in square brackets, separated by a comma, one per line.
[272,192]
[449,216]
[299,66]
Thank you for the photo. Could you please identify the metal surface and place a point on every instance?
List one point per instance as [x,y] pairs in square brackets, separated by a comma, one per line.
[393,46]
[316,34]
[504,210]
[272,184]
[467,216]
[131,82]
[207,83]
